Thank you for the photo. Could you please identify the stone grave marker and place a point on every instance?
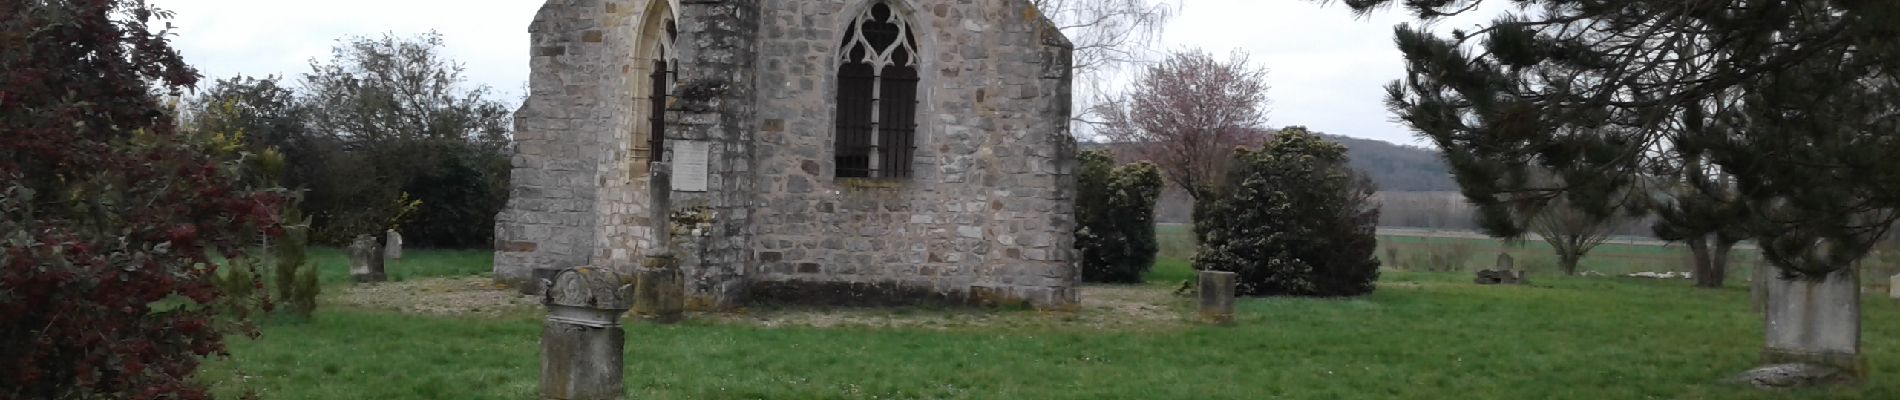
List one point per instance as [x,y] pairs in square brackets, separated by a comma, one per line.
[1217,290]
[1815,322]
[392,249]
[1503,272]
[1893,287]
[659,291]
[582,343]
[366,261]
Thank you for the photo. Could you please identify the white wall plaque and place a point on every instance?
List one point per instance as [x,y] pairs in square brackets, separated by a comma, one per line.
[689,165]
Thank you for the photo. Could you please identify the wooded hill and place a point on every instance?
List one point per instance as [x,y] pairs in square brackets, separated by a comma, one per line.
[1393,167]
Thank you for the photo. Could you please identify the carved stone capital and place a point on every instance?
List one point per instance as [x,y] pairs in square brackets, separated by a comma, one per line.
[589,287]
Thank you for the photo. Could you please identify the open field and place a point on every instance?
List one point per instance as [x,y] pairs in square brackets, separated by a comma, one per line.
[1421,335]
[1617,257]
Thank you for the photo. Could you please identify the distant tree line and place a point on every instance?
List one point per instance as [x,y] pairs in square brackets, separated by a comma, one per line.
[1399,171]
[386,134]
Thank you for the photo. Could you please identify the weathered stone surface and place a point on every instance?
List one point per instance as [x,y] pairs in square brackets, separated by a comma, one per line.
[591,288]
[1505,263]
[659,292]
[539,281]
[366,260]
[582,342]
[581,362]
[1815,322]
[1217,291]
[1893,287]
[392,247]
[1794,375]
[989,205]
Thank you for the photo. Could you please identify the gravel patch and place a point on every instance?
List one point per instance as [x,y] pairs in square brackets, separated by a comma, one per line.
[438,296]
[1103,307]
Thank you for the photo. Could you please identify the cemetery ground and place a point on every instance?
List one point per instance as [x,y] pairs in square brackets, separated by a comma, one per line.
[440,330]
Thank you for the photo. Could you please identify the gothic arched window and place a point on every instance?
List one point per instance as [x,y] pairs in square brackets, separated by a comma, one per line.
[659,87]
[877,96]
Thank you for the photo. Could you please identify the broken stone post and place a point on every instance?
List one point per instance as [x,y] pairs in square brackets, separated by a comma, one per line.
[365,260]
[582,343]
[392,250]
[1815,322]
[659,290]
[1217,296]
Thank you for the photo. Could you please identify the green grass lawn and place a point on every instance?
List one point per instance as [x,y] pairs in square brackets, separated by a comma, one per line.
[1420,335]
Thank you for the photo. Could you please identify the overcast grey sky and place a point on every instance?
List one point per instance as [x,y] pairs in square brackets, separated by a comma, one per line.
[1325,66]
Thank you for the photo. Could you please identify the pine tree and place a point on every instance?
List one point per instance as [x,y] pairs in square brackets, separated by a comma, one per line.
[1795,100]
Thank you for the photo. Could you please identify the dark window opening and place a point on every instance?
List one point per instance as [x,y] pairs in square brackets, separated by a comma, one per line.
[855,101]
[656,99]
[877,97]
[897,116]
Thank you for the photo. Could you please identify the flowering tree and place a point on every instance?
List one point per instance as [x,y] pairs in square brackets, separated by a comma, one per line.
[1188,113]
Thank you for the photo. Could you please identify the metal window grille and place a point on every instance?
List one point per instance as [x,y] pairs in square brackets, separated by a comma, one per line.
[877,97]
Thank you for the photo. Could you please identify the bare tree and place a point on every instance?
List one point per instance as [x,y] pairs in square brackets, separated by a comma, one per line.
[1187,113]
[1571,232]
[1108,35]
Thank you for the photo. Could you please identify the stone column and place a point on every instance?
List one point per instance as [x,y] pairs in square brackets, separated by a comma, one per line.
[582,343]
[1815,322]
[716,103]
[1217,290]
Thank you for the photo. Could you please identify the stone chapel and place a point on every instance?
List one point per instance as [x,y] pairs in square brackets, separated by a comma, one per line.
[799,151]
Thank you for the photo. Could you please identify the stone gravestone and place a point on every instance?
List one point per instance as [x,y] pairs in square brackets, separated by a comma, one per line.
[1504,272]
[392,250]
[1815,322]
[659,291]
[582,342]
[366,261]
[1217,296]
[1893,287]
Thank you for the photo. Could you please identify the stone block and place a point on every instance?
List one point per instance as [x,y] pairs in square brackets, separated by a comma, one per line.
[659,292]
[1217,292]
[582,342]
[366,260]
[392,249]
[1815,322]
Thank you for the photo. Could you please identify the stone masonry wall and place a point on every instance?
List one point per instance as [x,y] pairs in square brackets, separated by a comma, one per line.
[988,214]
[715,91]
[578,195]
[551,218]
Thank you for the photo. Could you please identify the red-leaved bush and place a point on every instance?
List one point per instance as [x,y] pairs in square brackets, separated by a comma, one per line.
[108,216]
